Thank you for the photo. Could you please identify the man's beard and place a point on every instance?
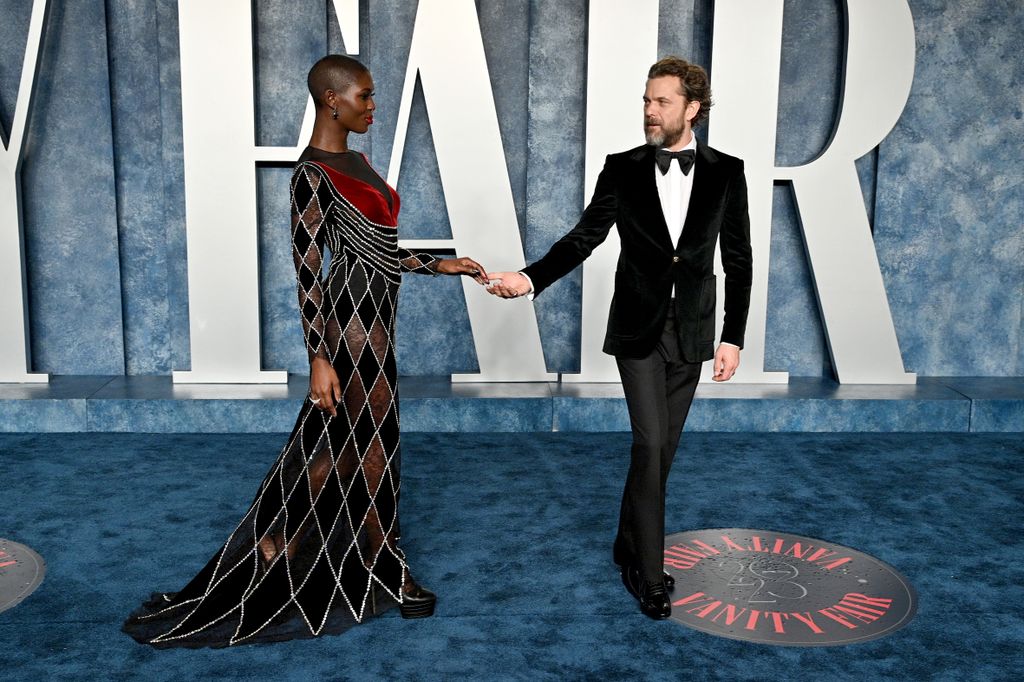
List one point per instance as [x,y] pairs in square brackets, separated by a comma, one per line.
[665,135]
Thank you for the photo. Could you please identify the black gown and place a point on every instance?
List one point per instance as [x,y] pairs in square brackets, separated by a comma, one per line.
[317,551]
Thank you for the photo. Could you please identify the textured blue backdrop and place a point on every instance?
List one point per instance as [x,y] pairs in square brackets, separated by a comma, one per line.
[104,199]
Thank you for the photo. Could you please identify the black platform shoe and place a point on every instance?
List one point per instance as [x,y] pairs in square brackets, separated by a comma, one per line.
[653,597]
[417,601]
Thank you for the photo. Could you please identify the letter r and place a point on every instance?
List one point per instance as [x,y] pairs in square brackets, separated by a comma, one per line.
[879,69]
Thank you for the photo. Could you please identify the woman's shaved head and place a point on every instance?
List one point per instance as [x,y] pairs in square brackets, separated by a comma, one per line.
[334,72]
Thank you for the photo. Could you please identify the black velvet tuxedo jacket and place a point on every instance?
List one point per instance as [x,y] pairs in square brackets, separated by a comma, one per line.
[649,264]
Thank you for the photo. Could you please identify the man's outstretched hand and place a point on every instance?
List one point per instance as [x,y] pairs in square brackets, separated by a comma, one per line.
[509,284]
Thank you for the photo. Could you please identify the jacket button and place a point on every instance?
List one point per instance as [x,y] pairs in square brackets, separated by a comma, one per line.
[675,259]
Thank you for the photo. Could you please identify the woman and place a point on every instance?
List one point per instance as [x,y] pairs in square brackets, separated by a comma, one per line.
[318,549]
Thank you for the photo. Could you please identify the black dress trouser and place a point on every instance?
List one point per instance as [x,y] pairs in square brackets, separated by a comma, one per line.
[659,389]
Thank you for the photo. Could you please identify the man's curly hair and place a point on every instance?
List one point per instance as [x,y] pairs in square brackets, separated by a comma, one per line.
[693,81]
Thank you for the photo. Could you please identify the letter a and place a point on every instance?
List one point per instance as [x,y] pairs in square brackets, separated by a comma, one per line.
[447,52]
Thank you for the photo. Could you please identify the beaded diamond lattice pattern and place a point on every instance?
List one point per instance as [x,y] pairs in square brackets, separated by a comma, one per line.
[318,548]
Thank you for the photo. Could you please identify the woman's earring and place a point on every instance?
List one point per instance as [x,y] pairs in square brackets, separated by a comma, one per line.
[334,114]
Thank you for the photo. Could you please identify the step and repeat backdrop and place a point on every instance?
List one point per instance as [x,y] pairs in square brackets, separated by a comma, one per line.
[144,222]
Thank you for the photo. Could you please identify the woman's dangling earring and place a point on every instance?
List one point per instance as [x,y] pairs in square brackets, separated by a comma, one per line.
[334,114]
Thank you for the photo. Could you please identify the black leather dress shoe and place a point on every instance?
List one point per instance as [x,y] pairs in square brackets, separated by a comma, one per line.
[417,601]
[620,560]
[653,597]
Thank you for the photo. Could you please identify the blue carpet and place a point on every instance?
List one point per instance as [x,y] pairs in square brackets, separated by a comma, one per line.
[514,533]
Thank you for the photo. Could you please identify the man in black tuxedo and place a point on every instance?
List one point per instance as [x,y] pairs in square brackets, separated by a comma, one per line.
[671,200]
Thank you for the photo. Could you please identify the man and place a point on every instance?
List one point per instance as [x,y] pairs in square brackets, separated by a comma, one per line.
[671,201]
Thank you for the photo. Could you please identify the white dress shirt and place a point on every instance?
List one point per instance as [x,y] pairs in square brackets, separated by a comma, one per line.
[674,190]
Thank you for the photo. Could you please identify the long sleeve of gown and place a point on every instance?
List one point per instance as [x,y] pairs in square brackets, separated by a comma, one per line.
[420,262]
[310,202]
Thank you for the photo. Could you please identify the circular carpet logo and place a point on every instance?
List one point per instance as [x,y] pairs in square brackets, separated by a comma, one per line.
[21,572]
[779,588]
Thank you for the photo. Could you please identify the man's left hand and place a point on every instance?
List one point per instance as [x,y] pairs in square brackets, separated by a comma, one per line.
[462,266]
[727,359]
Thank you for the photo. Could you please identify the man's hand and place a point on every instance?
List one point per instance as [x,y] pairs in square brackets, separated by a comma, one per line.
[509,284]
[727,359]
[462,266]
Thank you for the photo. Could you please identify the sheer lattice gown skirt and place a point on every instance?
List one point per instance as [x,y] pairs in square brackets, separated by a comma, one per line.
[318,549]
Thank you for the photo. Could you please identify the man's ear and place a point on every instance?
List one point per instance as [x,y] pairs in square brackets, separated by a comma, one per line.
[691,111]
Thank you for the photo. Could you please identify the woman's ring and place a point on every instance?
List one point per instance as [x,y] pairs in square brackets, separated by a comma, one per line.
[314,400]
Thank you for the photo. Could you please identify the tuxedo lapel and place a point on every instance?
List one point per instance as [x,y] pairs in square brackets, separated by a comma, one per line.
[705,180]
[651,218]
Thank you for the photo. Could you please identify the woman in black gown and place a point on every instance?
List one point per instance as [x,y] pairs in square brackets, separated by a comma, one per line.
[318,549]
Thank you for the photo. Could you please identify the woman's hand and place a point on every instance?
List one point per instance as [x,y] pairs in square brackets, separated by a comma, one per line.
[324,387]
[462,266]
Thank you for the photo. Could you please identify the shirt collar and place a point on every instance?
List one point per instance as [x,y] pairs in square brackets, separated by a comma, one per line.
[692,144]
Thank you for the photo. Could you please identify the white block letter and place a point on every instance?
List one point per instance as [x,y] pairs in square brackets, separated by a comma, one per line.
[14,360]
[847,277]
[448,54]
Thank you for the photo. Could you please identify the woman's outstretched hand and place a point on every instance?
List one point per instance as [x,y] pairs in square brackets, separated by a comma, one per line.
[462,266]
[324,387]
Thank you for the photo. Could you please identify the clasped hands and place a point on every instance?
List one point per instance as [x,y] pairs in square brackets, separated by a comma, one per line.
[502,284]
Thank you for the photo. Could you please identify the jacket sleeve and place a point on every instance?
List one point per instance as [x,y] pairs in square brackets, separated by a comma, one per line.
[592,229]
[737,260]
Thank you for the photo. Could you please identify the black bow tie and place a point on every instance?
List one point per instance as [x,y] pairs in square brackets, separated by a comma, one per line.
[663,158]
